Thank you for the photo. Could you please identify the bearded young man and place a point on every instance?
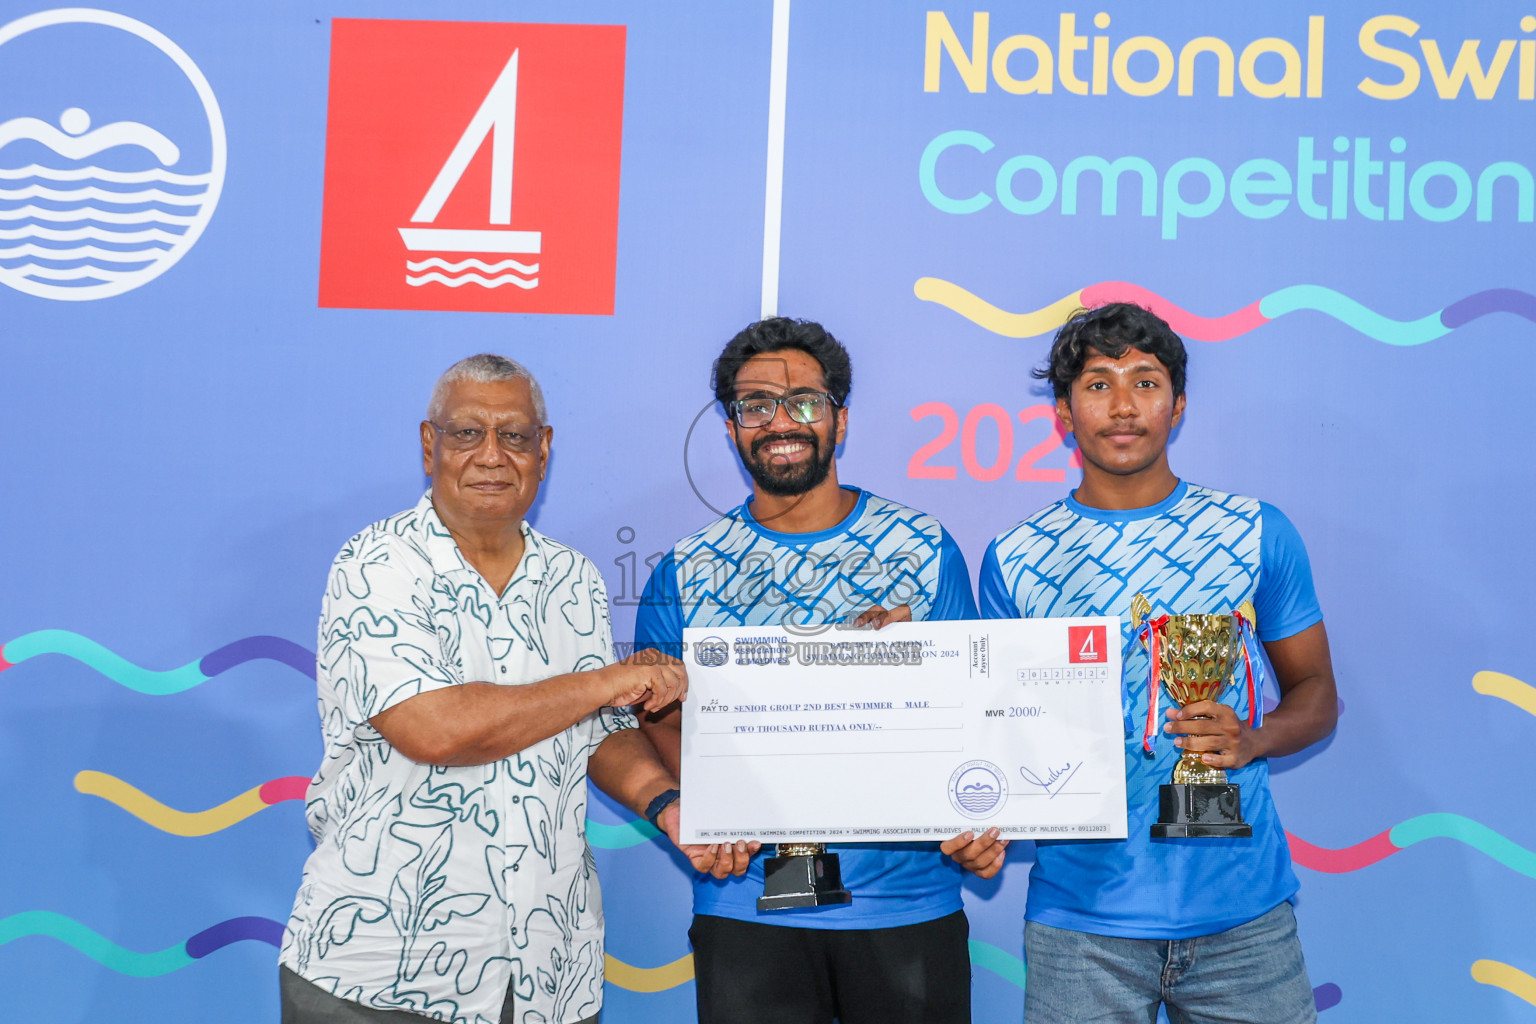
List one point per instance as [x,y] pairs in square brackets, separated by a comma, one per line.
[807,550]
[1204,927]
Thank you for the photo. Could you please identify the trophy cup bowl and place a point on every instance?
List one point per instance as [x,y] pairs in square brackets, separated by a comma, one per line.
[1196,656]
[802,875]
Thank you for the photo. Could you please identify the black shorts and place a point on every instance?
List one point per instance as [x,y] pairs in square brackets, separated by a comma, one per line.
[750,973]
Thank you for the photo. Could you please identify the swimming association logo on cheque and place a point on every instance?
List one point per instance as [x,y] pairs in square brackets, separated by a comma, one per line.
[978,789]
[472,166]
[112,154]
[711,652]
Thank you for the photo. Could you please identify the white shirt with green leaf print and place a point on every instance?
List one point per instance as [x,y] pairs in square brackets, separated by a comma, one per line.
[433,889]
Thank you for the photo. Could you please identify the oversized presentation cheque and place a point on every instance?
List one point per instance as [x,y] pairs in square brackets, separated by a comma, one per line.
[918,731]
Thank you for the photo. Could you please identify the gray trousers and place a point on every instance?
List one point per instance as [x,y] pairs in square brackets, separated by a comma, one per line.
[304,1002]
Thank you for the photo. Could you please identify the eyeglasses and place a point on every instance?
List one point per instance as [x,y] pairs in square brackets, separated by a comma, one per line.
[512,437]
[759,410]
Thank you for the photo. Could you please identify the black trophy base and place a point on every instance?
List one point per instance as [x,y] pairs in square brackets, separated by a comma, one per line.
[1194,811]
[807,881]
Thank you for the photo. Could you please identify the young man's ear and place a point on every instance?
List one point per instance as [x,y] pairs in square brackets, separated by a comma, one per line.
[1064,412]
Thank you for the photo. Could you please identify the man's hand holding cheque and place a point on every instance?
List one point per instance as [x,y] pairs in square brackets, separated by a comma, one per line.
[648,678]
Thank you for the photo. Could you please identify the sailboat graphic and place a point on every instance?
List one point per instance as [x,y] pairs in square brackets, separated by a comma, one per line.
[496,118]
[89,211]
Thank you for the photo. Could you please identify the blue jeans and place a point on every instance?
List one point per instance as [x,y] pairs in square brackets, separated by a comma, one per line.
[1251,974]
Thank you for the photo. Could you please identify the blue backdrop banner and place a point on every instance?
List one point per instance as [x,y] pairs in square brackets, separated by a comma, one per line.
[238,246]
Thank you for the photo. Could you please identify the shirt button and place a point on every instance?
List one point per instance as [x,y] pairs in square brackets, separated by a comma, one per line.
[503,670]
[514,868]
[517,799]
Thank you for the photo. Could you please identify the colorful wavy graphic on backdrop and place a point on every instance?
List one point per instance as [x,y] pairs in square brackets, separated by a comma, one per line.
[983,954]
[1440,825]
[1507,688]
[1511,979]
[110,955]
[601,835]
[182,823]
[85,940]
[623,836]
[156,683]
[200,823]
[1415,830]
[633,833]
[291,787]
[1433,826]
[134,964]
[190,823]
[1223,328]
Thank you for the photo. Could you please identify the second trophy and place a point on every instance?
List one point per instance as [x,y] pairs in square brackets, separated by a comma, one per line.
[802,875]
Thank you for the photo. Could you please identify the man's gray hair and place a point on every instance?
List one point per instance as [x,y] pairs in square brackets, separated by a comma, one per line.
[484,368]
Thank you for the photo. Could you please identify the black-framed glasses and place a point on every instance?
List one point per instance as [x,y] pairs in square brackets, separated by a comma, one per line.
[759,410]
[512,437]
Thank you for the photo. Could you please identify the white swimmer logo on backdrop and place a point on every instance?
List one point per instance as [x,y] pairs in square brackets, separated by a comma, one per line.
[72,229]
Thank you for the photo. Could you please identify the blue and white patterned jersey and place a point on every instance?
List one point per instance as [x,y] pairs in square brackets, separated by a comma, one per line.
[737,572]
[435,889]
[1198,551]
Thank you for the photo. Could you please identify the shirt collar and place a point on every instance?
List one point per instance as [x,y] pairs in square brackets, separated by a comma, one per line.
[446,558]
[744,510]
[1125,515]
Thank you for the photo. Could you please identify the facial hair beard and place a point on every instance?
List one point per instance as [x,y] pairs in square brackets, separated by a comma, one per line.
[789,479]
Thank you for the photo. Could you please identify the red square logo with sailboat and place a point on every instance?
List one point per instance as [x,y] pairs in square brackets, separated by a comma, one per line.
[472,166]
[1087,645]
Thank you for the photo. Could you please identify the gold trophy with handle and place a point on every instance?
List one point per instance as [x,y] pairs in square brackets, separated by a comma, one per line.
[1193,658]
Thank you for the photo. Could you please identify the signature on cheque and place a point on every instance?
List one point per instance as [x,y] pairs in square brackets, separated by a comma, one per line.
[1054,780]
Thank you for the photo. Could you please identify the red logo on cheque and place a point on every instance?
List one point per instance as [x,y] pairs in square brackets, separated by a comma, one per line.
[472,166]
[1087,645]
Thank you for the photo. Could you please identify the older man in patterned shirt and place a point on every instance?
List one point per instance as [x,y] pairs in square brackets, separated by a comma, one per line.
[467,693]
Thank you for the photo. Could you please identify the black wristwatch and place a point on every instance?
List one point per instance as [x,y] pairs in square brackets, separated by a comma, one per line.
[662,802]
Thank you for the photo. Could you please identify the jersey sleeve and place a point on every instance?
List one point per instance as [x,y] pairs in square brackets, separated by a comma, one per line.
[659,619]
[996,600]
[953,599]
[1285,600]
